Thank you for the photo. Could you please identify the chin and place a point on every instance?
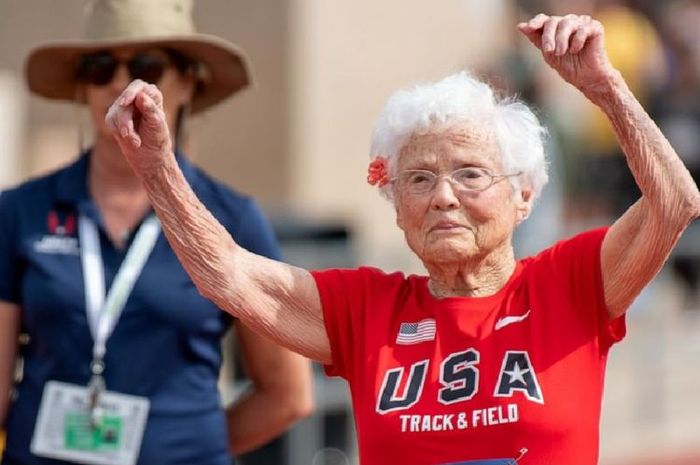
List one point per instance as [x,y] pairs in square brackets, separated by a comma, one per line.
[450,250]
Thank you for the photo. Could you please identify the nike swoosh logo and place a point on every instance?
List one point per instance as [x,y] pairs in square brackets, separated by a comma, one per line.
[509,320]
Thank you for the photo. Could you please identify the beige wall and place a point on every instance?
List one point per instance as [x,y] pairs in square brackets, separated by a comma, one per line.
[11,124]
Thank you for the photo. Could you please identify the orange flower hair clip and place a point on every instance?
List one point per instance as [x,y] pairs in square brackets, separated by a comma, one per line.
[377,173]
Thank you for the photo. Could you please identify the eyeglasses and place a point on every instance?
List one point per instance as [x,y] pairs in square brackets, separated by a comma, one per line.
[473,179]
[99,68]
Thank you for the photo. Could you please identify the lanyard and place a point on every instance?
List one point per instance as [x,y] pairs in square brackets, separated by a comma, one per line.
[103,312]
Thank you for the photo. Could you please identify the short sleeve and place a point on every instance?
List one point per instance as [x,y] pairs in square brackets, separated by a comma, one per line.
[341,294]
[577,262]
[255,232]
[9,275]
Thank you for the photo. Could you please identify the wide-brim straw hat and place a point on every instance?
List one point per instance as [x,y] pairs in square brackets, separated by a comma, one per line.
[51,67]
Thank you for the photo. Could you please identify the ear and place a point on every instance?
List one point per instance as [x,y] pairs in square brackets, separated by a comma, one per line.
[523,203]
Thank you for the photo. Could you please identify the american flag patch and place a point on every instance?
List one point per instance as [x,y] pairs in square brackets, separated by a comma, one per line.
[413,333]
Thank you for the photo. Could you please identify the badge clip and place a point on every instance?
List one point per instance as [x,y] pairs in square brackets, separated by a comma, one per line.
[96,387]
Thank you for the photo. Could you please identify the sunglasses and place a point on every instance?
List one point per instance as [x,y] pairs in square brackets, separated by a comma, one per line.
[99,68]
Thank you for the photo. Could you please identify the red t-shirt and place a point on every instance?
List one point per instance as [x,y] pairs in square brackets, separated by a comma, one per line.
[435,381]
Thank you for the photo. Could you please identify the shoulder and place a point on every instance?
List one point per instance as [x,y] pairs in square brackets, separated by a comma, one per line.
[365,273]
[368,278]
[581,245]
[572,263]
[30,192]
[239,214]
[217,195]
[228,205]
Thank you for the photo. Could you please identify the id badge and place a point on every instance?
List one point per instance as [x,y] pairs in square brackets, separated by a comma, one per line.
[65,429]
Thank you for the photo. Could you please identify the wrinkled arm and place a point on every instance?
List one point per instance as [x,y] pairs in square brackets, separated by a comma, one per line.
[9,331]
[639,242]
[276,300]
[280,392]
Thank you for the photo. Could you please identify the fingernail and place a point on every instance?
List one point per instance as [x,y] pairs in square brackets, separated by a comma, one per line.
[124,131]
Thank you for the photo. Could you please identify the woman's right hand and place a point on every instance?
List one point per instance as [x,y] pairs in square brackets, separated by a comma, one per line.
[138,123]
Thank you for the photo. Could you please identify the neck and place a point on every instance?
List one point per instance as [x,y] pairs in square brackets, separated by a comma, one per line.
[110,173]
[115,189]
[477,277]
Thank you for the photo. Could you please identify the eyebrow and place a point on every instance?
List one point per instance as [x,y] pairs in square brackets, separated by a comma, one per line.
[423,167]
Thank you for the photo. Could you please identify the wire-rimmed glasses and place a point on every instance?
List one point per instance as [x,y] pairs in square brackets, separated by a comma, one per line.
[471,178]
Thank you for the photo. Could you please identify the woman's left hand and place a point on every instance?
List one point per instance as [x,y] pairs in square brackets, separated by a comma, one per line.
[573,46]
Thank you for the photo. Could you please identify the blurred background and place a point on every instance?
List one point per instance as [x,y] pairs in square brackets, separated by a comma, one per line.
[298,142]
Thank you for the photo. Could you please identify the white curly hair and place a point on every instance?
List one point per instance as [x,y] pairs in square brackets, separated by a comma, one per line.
[462,98]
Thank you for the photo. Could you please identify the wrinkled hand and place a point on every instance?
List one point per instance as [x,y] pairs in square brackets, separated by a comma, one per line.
[573,46]
[139,125]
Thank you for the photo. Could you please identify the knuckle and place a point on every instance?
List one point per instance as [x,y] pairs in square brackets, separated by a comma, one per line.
[567,24]
[553,21]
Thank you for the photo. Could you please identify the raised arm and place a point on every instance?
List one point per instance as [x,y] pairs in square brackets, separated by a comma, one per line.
[639,242]
[272,298]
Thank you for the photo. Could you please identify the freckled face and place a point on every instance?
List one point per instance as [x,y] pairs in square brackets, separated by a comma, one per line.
[448,224]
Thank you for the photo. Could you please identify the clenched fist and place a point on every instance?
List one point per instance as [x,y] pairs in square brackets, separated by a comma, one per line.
[573,46]
[139,125]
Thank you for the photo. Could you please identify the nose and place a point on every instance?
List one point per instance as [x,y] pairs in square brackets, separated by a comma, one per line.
[120,79]
[443,196]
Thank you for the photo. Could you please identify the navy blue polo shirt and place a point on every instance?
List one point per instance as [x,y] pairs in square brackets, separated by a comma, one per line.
[165,346]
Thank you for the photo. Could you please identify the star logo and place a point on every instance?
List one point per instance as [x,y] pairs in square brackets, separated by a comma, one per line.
[516,374]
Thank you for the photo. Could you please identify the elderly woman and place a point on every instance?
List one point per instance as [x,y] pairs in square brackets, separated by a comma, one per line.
[86,275]
[487,358]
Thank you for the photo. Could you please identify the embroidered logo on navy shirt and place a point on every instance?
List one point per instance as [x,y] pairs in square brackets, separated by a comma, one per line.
[60,238]
[56,227]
